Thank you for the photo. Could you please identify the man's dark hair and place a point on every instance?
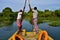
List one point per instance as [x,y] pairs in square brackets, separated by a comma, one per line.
[20,10]
[35,8]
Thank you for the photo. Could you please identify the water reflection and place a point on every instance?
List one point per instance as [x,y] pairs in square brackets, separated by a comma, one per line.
[6,32]
[52,31]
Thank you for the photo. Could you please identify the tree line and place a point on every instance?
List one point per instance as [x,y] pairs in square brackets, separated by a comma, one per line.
[7,15]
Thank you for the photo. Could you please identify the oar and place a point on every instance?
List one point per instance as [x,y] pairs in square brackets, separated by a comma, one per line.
[23,9]
[31,14]
[29,6]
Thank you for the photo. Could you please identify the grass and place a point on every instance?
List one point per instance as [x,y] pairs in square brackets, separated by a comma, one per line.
[54,21]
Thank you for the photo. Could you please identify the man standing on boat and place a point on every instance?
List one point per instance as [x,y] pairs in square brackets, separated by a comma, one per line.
[34,17]
[19,22]
[20,18]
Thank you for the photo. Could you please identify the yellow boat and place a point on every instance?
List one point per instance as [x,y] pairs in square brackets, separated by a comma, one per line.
[27,35]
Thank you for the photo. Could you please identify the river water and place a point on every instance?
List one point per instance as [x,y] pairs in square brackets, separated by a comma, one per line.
[7,31]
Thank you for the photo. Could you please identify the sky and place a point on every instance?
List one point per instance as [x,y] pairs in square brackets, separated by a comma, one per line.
[16,5]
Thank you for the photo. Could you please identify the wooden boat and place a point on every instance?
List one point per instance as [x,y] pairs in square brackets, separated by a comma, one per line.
[27,35]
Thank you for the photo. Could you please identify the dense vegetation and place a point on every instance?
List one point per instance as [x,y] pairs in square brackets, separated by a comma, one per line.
[52,17]
[7,17]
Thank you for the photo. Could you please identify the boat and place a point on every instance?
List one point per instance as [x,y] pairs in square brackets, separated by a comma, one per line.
[28,35]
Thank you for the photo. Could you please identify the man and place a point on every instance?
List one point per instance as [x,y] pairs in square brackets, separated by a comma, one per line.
[35,14]
[20,18]
[19,22]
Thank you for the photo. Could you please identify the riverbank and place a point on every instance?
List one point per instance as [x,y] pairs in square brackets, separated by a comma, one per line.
[8,17]
[53,21]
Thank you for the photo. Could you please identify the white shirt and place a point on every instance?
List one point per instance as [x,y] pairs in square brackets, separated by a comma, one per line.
[35,13]
[19,15]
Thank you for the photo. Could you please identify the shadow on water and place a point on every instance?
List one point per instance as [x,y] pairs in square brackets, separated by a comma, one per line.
[6,32]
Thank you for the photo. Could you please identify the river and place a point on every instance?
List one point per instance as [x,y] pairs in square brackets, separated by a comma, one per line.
[7,31]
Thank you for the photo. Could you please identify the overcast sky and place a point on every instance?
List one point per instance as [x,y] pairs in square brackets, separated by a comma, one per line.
[16,5]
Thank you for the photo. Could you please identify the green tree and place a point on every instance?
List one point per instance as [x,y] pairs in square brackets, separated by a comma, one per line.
[7,13]
[47,13]
[7,9]
[57,12]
